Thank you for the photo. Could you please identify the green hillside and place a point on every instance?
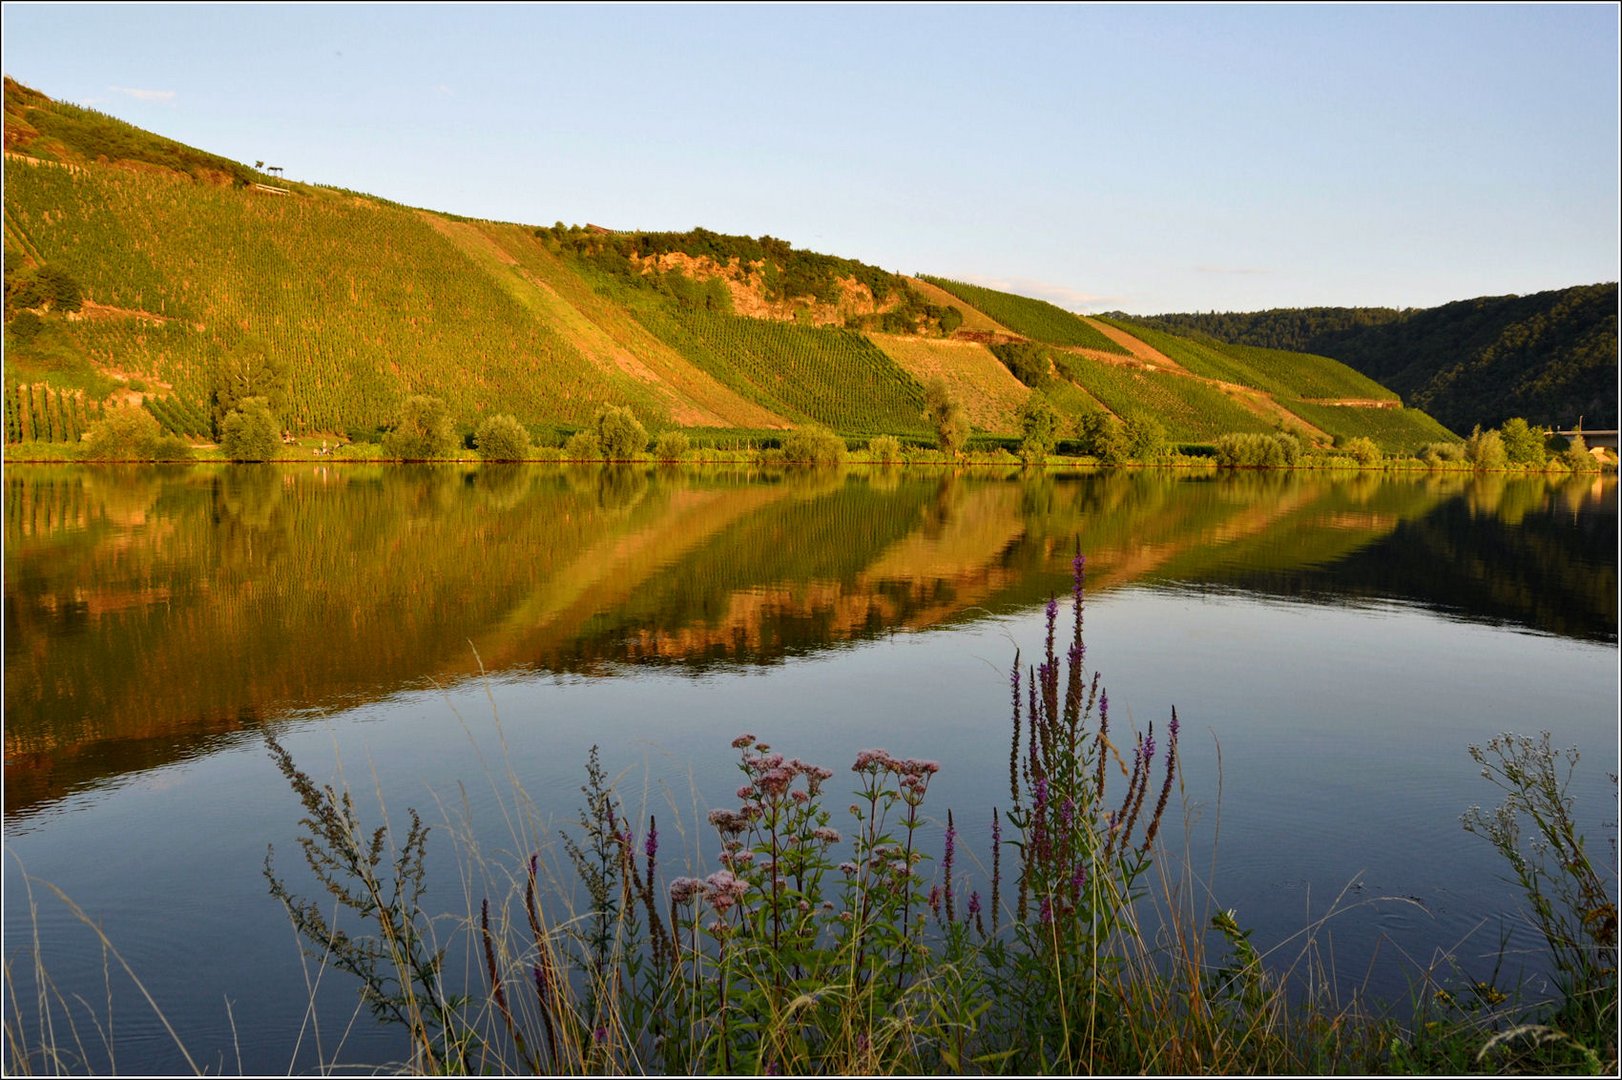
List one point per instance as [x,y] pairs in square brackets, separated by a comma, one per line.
[138,270]
[1035,319]
[1550,357]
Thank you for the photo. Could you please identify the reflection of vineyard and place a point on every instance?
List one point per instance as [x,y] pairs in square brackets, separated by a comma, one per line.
[149,612]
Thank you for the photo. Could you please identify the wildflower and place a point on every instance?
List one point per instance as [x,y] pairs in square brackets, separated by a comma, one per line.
[651,847]
[825,834]
[847,868]
[743,742]
[684,889]
[747,791]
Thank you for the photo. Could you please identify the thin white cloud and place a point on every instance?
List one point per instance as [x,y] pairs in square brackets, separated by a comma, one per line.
[1208,269]
[161,97]
[1062,295]
[444,91]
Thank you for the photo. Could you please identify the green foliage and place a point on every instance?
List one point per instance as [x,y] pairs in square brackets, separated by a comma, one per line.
[1576,456]
[1485,449]
[583,446]
[251,432]
[502,438]
[1524,444]
[945,415]
[1362,450]
[131,434]
[1100,435]
[671,446]
[620,435]
[1253,450]
[1035,319]
[885,449]
[423,432]
[1030,362]
[1146,439]
[1441,455]
[1039,429]
[814,446]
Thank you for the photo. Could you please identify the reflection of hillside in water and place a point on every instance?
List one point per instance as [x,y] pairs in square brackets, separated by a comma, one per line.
[150,611]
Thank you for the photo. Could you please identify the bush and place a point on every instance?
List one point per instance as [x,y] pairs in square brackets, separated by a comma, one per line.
[129,433]
[1249,450]
[502,438]
[1362,450]
[885,449]
[812,445]
[25,327]
[583,446]
[671,446]
[250,432]
[1485,449]
[424,431]
[620,435]
[1437,455]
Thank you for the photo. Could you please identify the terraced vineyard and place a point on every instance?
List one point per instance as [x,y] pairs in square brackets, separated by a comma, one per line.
[365,303]
[989,393]
[36,412]
[1401,431]
[1291,374]
[1190,410]
[833,376]
[1035,319]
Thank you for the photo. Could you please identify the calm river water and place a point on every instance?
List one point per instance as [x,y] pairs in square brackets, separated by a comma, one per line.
[444,638]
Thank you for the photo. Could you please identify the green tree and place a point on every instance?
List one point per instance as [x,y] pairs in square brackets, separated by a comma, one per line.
[1576,456]
[583,446]
[502,438]
[1039,428]
[945,415]
[1145,438]
[1485,449]
[60,288]
[1523,443]
[1100,435]
[251,432]
[423,432]
[249,369]
[619,433]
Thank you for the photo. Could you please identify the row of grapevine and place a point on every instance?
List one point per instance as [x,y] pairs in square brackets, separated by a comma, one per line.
[1402,431]
[834,376]
[366,304]
[37,412]
[1190,410]
[1035,319]
[1275,371]
[178,416]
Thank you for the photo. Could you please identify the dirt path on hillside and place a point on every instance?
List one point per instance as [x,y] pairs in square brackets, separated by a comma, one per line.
[91,311]
[1140,350]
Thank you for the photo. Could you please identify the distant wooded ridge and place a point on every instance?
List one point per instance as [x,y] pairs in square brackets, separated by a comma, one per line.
[1550,357]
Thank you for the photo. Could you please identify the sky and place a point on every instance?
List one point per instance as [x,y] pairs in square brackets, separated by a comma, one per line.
[1146,159]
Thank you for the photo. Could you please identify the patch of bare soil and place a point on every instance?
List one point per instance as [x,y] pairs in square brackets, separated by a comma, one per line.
[1140,350]
[94,312]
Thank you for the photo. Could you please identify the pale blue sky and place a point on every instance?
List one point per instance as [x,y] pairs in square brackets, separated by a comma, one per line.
[1146,158]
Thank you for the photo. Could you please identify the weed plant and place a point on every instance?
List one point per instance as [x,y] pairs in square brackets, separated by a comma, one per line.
[828,939]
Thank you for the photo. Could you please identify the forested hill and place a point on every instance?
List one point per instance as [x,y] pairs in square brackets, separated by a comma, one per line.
[1550,357]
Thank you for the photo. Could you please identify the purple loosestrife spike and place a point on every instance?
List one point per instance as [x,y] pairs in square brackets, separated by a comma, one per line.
[651,847]
[1103,741]
[1165,787]
[996,868]
[1013,753]
[946,863]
